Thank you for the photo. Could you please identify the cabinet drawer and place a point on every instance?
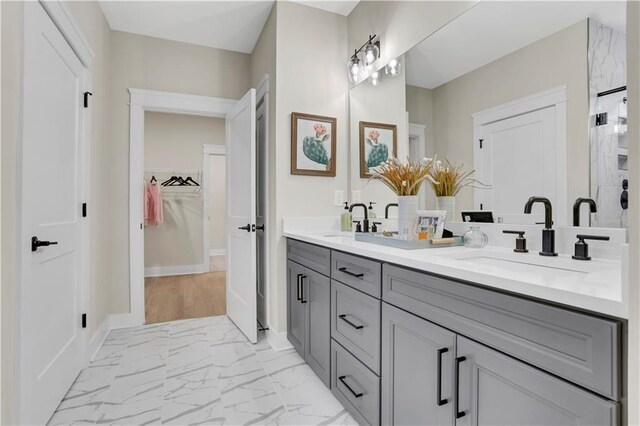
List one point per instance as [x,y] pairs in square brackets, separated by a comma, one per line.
[357,272]
[580,348]
[355,323]
[355,386]
[313,257]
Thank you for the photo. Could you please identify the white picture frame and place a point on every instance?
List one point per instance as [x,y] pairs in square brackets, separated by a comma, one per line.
[432,222]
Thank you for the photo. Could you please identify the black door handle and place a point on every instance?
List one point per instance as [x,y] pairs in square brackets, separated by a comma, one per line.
[260,227]
[343,317]
[348,272]
[440,401]
[298,288]
[35,243]
[460,359]
[302,278]
[245,228]
[355,394]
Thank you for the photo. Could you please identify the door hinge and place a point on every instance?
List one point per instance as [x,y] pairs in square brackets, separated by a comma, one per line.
[84,209]
[601,119]
[86,99]
[481,140]
[84,320]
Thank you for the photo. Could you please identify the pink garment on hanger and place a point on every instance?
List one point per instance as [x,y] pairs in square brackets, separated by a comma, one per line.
[152,204]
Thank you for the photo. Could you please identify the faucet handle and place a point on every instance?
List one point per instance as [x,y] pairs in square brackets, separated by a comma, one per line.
[521,241]
[358,226]
[582,248]
[374,226]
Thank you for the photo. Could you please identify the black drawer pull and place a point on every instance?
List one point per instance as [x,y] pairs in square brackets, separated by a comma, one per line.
[348,272]
[298,295]
[355,394]
[343,317]
[440,401]
[459,413]
[302,278]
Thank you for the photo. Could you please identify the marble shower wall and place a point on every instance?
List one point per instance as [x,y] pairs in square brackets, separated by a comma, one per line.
[607,70]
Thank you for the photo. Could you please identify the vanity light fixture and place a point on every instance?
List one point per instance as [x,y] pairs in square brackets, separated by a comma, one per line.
[393,67]
[370,52]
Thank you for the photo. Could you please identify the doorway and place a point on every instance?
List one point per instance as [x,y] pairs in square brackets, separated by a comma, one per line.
[181,187]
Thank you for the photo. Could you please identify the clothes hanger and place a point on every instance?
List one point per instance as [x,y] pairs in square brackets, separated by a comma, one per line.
[153,179]
[169,181]
[190,181]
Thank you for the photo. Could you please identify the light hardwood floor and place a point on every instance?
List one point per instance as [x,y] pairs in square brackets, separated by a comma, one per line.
[184,296]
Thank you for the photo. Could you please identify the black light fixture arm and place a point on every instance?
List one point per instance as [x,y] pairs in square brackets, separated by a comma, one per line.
[370,40]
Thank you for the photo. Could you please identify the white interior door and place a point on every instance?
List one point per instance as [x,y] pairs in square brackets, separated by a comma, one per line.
[51,340]
[518,160]
[261,211]
[241,217]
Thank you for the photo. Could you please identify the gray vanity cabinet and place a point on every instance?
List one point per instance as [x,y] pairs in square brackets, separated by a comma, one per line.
[417,370]
[497,389]
[309,306]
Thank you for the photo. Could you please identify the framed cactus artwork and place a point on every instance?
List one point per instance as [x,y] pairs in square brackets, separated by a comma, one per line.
[313,145]
[378,142]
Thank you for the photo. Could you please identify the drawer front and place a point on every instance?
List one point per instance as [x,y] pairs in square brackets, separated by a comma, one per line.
[313,257]
[355,386]
[357,272]
[355,323]
[578,347]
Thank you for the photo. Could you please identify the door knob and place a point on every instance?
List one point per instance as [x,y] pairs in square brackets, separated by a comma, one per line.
[260,227]
[35,243]
[245,228]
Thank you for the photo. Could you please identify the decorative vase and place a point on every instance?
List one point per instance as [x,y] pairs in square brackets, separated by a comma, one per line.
[407,215]
[447,204]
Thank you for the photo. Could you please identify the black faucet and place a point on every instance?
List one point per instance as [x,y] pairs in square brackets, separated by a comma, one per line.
[548,234]
[365,222]
[386,209]
[576,209]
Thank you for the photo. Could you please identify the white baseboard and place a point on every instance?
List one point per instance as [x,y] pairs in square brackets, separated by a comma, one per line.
[163,271]
[218,252]
[96,341]
[123,321]
[278,341]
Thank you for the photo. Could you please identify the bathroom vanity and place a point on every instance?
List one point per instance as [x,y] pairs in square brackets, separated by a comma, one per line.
[403,337]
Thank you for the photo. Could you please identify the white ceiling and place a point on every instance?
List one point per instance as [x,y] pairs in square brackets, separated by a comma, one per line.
[493,29]
[232,24]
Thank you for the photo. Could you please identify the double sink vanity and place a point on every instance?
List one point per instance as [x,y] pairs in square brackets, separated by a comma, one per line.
[457,335]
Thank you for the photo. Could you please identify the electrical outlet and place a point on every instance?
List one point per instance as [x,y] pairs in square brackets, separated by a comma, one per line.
[338,197]
[356,197]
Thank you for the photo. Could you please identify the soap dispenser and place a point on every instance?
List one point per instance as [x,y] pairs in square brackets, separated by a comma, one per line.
[372,214]
[346,219]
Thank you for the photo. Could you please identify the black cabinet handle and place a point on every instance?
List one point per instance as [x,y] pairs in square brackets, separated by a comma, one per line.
[302,278]
[459,360]
[355,394]
[348,272]
[440,401]
[247,227]
[343,317]
[298,288]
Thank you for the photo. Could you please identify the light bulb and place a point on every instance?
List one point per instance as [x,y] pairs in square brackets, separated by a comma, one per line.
[354,69]
[375,79]
[371,53]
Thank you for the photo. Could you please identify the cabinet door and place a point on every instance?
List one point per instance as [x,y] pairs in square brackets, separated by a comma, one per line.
[496,389]
[417,370]
[316,292]
[296,312]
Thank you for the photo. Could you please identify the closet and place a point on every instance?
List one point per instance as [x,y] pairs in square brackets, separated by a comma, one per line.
[184,226]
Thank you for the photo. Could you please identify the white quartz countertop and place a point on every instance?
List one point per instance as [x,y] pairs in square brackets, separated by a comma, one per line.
[595,285]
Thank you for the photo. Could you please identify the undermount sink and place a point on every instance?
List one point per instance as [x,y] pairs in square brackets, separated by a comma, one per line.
[530,263]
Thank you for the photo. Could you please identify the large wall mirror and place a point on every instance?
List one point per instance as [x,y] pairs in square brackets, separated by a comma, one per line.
[530,95]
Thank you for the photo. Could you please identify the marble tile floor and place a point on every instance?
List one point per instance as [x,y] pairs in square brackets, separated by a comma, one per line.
[198,371]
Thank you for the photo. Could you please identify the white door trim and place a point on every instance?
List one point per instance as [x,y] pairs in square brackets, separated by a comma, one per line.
[153,100]
[207,151]
[556,97]
[418,131]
